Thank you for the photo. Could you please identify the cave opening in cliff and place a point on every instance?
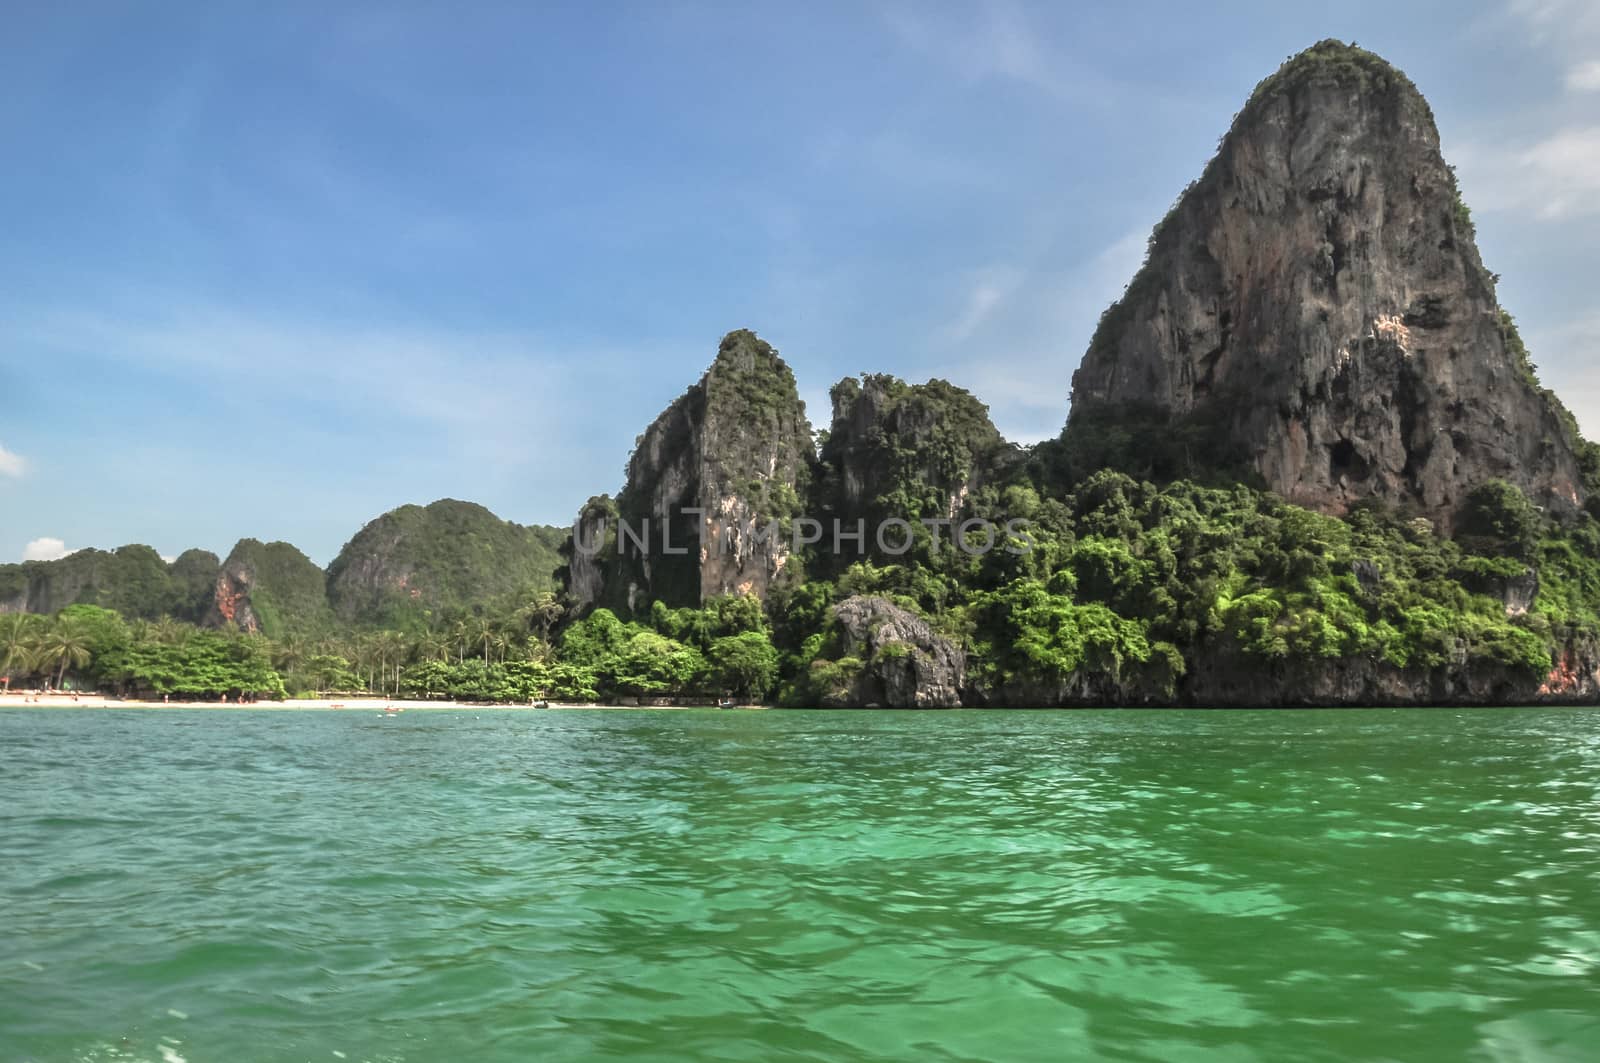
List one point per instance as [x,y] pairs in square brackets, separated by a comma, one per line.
[1346,463]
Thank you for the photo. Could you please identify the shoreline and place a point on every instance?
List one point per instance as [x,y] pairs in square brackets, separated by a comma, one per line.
[98,701]
[387,706]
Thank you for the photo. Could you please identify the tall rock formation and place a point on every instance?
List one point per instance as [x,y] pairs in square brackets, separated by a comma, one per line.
[1316,301]
[271,588]
[420,559]
[731,455]
[910,451]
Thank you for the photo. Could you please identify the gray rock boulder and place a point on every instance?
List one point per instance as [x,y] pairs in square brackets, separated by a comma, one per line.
[906,665]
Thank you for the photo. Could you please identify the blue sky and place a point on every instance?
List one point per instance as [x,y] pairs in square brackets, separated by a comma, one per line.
[271,270]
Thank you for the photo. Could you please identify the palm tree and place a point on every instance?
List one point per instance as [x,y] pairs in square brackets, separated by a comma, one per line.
[434,645]
[63,646]
[392,650]
[363,652]
[289,653]
[543,614]
[170,632]
[17,645]
[483,634]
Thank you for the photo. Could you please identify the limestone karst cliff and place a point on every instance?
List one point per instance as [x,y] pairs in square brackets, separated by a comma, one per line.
[1316,303]
[729,456]
[272,588]
[907,451]
[133,579]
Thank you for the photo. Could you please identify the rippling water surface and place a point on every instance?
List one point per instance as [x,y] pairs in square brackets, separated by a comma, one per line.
[596,885]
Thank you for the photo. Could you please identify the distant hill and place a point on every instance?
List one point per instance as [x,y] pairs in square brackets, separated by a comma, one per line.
[450,555]
[269,587]
[407,565]
[133,580]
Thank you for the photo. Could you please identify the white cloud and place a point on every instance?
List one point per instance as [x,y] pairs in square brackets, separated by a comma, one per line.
[991,287]
[1569,30]
[1558,20]
[1028,331]
[1565,168]
[13,465]
[46,549]
[1565,353]
[993,40]
[1553,178]
[414,376]
[1585,77]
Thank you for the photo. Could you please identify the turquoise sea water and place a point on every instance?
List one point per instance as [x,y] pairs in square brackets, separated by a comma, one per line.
[227,885]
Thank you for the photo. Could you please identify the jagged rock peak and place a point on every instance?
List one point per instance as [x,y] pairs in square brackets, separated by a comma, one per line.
[736,447]
[1315,307]
[894,446]
[272,588]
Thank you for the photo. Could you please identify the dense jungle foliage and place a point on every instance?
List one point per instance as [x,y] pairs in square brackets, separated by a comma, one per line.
[1122,580]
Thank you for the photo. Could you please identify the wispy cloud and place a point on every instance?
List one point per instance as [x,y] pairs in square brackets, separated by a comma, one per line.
[1569,30]
[1566,354]
[1032,325]
[991,287]
[46,548]
[426,378]
[12,465]
[1585,77]
[1552,178]
[992,41]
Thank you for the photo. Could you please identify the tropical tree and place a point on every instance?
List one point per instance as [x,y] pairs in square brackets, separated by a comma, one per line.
[170,632]
[289,653]
[18,638]
[483,634]
[542,615]
[393,648]
[62,646]
[433,646]
[745,664]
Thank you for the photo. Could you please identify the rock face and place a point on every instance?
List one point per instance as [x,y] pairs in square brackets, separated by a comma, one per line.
[1317,297]
[731,455]
[447,554]
[133,580]
[269,587]
[1222,680]
[588,547]
[230,599]
[909,451]
[905,664]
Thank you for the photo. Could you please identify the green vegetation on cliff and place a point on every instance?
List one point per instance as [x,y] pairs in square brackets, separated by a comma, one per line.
[1132,593]
[270,587]
[907,450]
[417,562]
[133,580]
